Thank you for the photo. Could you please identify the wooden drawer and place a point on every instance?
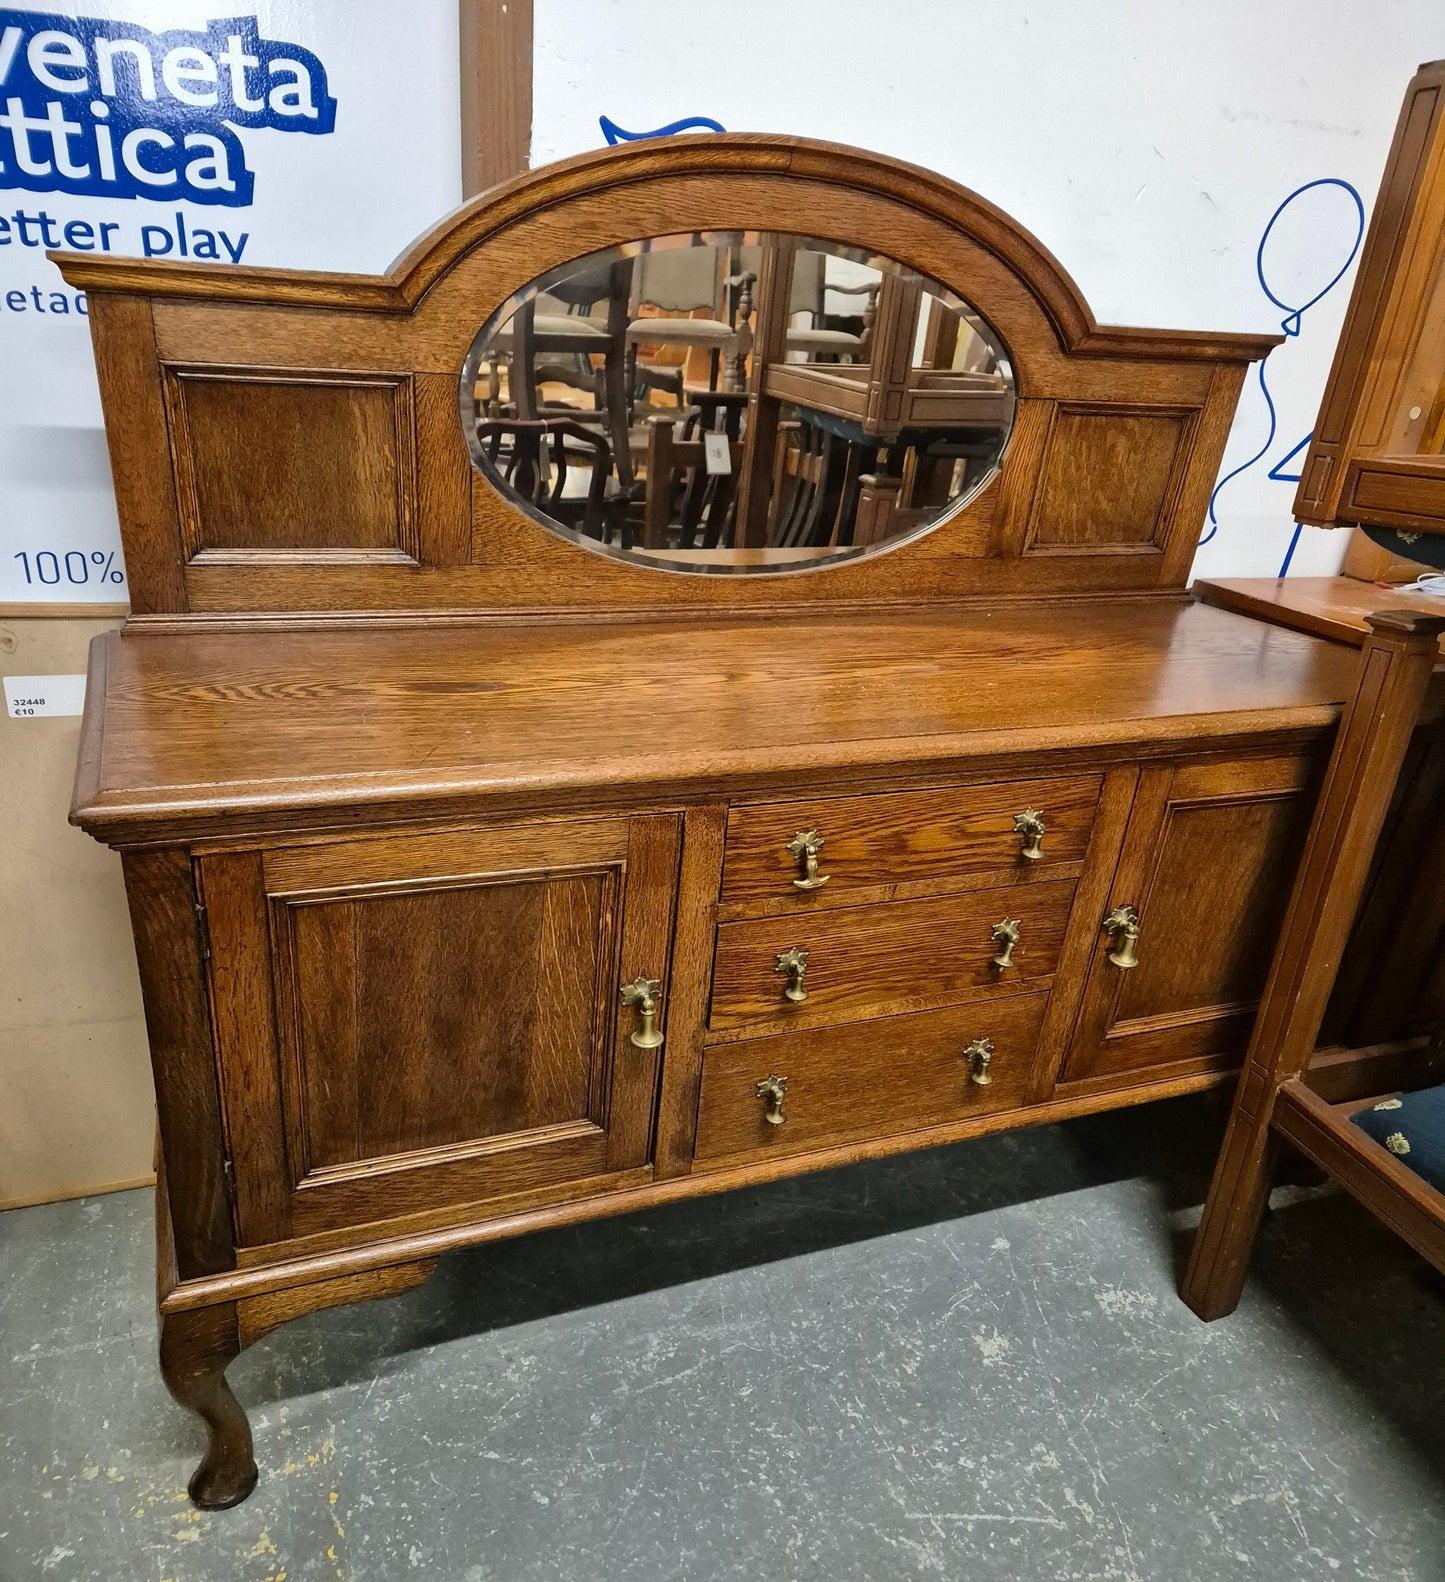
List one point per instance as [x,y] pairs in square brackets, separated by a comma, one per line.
[924,838]
[870,1079]
[892,956]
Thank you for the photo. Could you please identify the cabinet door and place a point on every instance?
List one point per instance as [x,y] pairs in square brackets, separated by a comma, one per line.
[414,1021]
[1208,860]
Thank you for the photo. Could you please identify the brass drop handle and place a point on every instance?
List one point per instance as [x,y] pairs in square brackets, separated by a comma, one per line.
[643,993]
[794,963]
[1007,934]
[1123,924]
[804,848]
[978,1057]
[771,1090]
[1030,824]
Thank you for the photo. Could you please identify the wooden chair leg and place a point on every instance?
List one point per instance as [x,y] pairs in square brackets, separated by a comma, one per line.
[196,1347]
[1219,1259]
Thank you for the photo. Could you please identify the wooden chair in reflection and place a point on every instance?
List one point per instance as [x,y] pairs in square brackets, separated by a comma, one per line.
[527,451]
[834,485]
[820,340]
[683,497]
[551,347]
[696,305]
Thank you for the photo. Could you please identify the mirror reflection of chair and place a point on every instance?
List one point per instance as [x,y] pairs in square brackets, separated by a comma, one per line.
[858,400]
[683,286]
[816,277]
[537,450]
[683,494]
[823,337]
[534,341]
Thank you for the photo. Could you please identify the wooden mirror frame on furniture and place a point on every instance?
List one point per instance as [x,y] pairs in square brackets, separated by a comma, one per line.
[480,883]
[365,372]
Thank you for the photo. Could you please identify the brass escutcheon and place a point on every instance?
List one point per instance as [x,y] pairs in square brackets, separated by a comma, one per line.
[1030,824]
[643,993]
[1123,924]
[794,962]
[1006,932]
[979,1057]
[804,848]
[771,1090]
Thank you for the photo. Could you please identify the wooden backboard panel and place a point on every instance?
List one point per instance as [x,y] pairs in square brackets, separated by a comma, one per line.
[1161,400]
[1109,475]
[241,441]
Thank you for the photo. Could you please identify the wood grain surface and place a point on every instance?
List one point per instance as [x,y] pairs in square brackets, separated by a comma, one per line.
[917,837]
[891,1074]
[414,1020]
[1088,397]
[213,731]
[898,956]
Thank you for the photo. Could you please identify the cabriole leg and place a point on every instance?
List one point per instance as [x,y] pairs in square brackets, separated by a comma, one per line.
[196,1347]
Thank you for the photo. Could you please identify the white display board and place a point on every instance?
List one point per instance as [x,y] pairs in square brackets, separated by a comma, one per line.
[1149,144]
[319,135]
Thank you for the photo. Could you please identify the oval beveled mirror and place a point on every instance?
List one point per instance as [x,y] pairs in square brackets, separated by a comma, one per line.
[737,402]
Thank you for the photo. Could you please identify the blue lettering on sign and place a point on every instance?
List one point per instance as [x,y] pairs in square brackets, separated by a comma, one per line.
[111,110]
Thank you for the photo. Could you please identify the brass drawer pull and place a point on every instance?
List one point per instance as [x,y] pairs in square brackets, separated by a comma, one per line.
[1123,924]
[979,1057]
[771,1090]
[804,847]
[1030,824]
[643,993]
[794,962]
[1007,934]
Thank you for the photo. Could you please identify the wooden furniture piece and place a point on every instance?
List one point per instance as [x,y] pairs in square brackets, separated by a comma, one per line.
[1376,453]
[484,879]
[808,291]
[531,336]
[684,285]
[1283,1093]
[1356,999]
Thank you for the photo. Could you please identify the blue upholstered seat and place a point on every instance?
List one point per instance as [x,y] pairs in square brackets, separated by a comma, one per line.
[1412,1127]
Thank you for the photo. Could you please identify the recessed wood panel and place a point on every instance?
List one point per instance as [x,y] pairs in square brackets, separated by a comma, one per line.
[413,1021]
[1208,861]
[446,1016]
[1108,476]
[1212,922]
[287,465]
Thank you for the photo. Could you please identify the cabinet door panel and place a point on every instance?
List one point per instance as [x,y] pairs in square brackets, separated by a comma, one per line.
[1208,860]
[414,1021]
[396,1046]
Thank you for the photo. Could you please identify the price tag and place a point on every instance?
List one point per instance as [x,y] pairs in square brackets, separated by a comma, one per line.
[28,697]
[716,457]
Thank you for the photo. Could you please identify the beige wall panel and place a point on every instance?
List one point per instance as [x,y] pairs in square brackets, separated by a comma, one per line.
[76,1107]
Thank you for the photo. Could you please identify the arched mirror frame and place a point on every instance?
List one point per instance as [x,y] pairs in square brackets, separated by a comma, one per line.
[1117,436]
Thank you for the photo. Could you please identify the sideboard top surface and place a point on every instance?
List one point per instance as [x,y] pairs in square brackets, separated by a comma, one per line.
[186,729]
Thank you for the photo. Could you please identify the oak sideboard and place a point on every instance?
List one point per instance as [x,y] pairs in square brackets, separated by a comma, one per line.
[685,680]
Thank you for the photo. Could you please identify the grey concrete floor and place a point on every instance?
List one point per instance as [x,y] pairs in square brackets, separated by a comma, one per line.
[965,1364]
